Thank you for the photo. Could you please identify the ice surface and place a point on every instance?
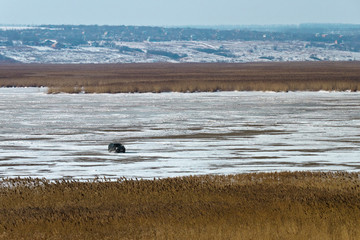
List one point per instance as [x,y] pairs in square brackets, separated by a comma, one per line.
[176,134]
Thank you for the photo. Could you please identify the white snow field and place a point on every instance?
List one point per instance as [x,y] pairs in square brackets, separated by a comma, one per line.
[188,51]
[176,134]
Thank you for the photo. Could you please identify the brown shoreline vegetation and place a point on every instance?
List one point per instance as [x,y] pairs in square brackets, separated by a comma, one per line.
[286,205]
[184,77]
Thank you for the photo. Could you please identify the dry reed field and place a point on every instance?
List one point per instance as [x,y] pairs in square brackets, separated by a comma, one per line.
[297,205]
[187,77]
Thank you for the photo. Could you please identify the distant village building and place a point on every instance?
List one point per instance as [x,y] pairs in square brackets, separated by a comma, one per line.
[48,42]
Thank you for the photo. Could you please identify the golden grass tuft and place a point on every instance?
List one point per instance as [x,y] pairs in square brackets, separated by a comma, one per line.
[297,205]
[165,77]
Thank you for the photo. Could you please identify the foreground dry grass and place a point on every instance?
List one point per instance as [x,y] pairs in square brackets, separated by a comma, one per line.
[190,77]
[301,205]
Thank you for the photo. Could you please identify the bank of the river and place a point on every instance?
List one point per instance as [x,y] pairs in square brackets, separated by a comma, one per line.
[187,77]
[298,205]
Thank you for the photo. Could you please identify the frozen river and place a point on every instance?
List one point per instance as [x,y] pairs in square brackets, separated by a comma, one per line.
[176,134]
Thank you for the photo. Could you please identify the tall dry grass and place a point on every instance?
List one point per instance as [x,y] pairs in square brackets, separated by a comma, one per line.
[300,205]
[163,77]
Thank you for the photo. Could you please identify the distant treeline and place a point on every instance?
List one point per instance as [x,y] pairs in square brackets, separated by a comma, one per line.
[343,37]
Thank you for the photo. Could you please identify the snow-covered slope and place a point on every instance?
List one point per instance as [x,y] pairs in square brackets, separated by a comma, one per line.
[177,51]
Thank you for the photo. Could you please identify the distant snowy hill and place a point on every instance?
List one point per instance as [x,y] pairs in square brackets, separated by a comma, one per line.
[127,44]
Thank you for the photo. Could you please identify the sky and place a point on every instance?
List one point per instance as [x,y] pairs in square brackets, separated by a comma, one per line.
[178,12]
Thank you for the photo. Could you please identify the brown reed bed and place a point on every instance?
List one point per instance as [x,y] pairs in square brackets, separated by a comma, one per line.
[287,205]
[186,77]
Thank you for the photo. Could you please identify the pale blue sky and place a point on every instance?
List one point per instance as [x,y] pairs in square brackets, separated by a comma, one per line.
[179,12]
